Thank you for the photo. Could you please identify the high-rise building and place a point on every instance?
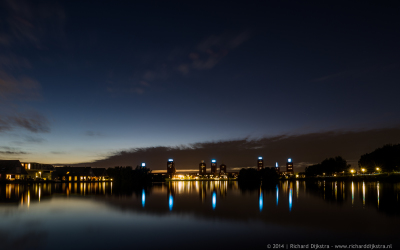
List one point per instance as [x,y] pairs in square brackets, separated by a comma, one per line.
[289,166]
[277,168]
[260,163]
[171,168]
[213,167]
[202,168]
[222,169]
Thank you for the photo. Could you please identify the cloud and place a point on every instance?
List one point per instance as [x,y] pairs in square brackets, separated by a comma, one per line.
[304,149]
[34,139]
[57,153]
[93,133]
[30,22]
[23,88]
[11,151]
[33,122]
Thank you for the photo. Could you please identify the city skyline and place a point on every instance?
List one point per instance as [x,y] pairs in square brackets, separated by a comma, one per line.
[111,84]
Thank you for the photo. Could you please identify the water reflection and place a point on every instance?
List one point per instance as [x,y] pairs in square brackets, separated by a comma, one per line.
[170,202]
[290,197]
[143,197]
[214,200]
[382,196]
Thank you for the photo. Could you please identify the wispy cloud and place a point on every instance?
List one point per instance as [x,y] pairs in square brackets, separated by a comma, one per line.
[32,121]
[11,151]
[23,88]
[93,133]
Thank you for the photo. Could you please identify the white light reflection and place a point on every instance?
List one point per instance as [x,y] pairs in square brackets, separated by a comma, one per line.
[363,193]
[377,187]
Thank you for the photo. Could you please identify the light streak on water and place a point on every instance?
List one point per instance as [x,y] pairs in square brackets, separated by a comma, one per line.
[143,198]
[171,202]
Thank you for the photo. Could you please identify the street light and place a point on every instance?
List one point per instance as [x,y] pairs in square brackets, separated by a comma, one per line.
[363,170]
[352,171]
[40,174]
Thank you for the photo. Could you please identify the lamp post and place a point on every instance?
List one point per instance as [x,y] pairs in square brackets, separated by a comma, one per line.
[352,171]
[40,175]
[363,170]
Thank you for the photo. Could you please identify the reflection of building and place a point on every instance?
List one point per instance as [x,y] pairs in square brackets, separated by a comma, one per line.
[214,167]
[260,163]
[170,168]
[12,170]
[202,168]
[222,169]
[289,166]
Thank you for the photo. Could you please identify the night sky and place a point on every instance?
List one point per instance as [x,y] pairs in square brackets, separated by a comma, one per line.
[110,83]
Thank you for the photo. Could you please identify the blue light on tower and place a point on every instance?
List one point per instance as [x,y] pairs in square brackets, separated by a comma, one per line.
[289,160]
[170,160]
[170,202]
[214,200]
[143,164]
[213,161]
[276,165]
[261,201]
[260,158]
[143,197]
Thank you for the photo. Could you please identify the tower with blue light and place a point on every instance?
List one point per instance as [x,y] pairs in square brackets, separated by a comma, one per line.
[171,168]
[277,168]
[289,166]
[260,163]
[213,166]
[202,168]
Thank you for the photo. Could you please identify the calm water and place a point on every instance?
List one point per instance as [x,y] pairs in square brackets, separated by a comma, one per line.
[197,215]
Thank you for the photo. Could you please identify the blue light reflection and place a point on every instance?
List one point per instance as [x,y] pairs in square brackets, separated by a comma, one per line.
[143,197]
[277,194]
[171,202]
[261,201]
[290,199]
[214,200]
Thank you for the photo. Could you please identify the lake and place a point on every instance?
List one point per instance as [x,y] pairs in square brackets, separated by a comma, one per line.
[198,215]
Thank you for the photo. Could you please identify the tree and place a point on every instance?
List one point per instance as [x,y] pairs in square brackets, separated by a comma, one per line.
[387,158]
[328,166]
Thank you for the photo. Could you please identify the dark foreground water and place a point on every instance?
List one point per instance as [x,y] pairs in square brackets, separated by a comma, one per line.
[198,215]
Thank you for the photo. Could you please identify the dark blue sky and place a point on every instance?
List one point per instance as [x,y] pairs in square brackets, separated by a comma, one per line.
[81,81]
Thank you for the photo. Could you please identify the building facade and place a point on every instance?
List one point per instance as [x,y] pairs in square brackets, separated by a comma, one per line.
[260,163]
[202,168]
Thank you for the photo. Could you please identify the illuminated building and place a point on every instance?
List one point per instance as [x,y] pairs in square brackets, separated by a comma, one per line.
[277,168]
[260,163]
[222,169]
[143,164]
[170,168]
[213,167]
[289,166]
[202,168]
[12,170]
